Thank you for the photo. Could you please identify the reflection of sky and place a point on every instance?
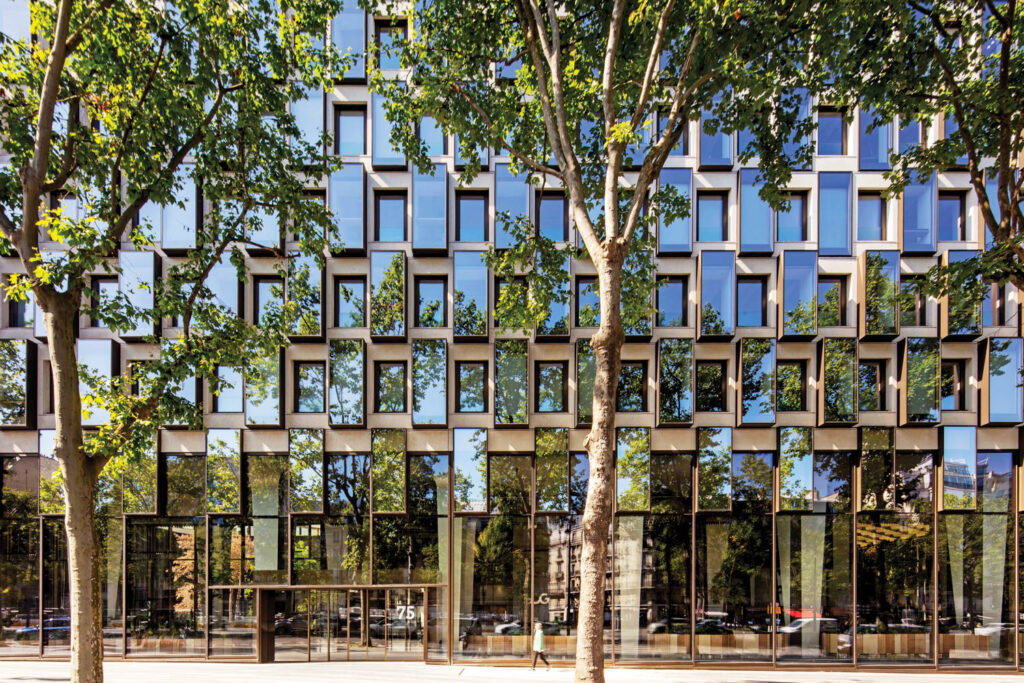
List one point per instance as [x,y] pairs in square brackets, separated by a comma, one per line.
[429,406]
[1003,390]
[469,450]
[429,209]
[95,355]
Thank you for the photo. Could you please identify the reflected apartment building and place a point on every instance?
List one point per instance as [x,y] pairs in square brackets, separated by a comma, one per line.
[815,464]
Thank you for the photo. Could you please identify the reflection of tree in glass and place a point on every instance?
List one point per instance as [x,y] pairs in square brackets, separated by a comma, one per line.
[470,318]
[586,371]
[223,469]
[429,371]
[510,381]
[794,465]
[714,475]
[346,381]
[388,467]
[469,486]
[12,382]
[880,296]
[711,323]
[923,379]
[305,452]
[800,318]
[632,388]
[675,397]
[304,285]
[758,379]
[263,388]
[552,451]
[387,300]
[633,468]
[509,484]
[840,379]
[830,307]
[357,314]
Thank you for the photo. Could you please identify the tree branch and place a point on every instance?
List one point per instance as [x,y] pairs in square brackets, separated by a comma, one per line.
[652,64]
[75,38]
[70,159]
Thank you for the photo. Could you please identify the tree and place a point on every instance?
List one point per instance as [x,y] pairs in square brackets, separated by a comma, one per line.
[956,64]
[108,116]
[570,92]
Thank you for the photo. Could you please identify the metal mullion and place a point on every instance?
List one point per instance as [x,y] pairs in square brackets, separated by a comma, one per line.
[855,497]
[40,581]
[935,557]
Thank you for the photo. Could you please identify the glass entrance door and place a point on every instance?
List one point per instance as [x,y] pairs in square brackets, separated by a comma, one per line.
[291,626]
[405,624]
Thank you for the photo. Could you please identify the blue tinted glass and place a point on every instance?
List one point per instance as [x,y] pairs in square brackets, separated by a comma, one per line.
[992,191]
[308,111]
[749,303]
[588,303]
[351,303]
[792,146]
[472,218]
[432,136]
[918,216]
[387,293]
[790,223]
[351,132]
[430,209]
[551,219]
[511,197]
[348,35]
[384,153]
[951,134]
[430,303]
[346,204]
[715,148]
[96,355]
[834,213]
[680,148]
[874,143]
[830,133]
[799,284]
[390,218]
[470,292]
[1004,392]
[674,235]
[717,276]
[710,217]
[755,215]
[179,222]
[758,361]
[870,217]
[672,304]
[910,135]
[390,54]
[266,231]
[223,285]
[950,219]
[429,364]
[229,400]
[138,272]
[745,141]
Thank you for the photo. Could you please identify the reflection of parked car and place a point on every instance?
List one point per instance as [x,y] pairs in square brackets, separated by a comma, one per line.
[711,627]
[812,624]
[58,628]
[395,628]
[469,627]
[994,629]
[673,625]
[511,629]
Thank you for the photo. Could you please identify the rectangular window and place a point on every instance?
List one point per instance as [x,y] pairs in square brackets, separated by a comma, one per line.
[429,382]
[137,283]
[471,386]
[711,379]
[308,111]
[1004,371]
[871,382]
[471,216]
[347,382]
[509,484]
[431,302]
[309,387]
[385,155]
[511,386]
[875,141]
[98,357]
[716,146]
[953,389]
[834,198]
[552,386]
[831,132]
[758,384]
[350,131]
[839,381]
[674,229]
[511,203]
[912,301]
[796,465]
[350,302]
[832,301]
[881,284]
[714,468]
[223,283]
[870,216]
[306,465]
[470,293]
[586,370]
[552,216]
[791,224]
[675,381]
[755,215]
[588,304]
[430,210]
[993,310]
[390,35]
[104,293]
[389,386]
[632,393]
[346,192]
[556,322]
[909,134]
[717,292]
[227,395]
[799,287]
[960,484]
[791,377]
[268,298]
[305,285]
[923,377]
[951,211]
[751,298]
[633,469]
[387,294]
[949,132]
[712,216]
[469,465]
[552,461]
[348,34]
[964,315]
[432,136]
[387,469]
[263,400]
[178,218]
[919,200]
[14,383]
[389,216]
[671,302]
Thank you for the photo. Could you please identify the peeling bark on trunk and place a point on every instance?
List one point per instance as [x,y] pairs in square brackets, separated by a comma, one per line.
[607,344]
[80,474]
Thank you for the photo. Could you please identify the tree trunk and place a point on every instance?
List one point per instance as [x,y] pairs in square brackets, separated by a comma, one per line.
[80,474]
[607,345]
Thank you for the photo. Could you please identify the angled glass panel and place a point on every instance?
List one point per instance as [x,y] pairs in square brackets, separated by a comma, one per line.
[308,111]
[470,294]
[179,218]
[839,366]
[923,379]
[758,361]
[430,209]
[231,393]
[305,288]
[95,357]
[388,469]
[711,216]
[138,277]
[384,152]
[881,285]
[14,382]
[675,381]
[346,197]
[909,134]
[470,469]
[959,468]
[263,391]
[717,287]
[509,484]
[429,381]
[586,372]
[752,482]
[833,483]
[1004,377]
[348,36]
[306,459]
[633,468]
[511,203]
[876,469]
[223,284]
[347,378]
[675,230]
[552,387]
[348,484]
[874,141]
[919,203]
[834,213]
[796,469]
[799,288]
[223,470]
[557,321]
[714,468]
[552,453]
[387,293]
[511,387]
[715,147]
[755,215]
[870,217]
[432,136]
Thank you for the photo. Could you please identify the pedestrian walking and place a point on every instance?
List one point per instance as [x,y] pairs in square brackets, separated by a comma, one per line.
[538,646]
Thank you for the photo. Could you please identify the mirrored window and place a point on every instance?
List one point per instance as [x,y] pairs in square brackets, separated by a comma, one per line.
[470,294]
[471,386]
[552,386]
[350,131]
[471,217]
[674,230]
[431,302]
[675,381]
[430,209]
[429,382]
[511,388]
[389,386]
[347,378]
[717,305]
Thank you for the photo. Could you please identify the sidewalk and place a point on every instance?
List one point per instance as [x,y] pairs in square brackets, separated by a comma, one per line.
[415,672]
